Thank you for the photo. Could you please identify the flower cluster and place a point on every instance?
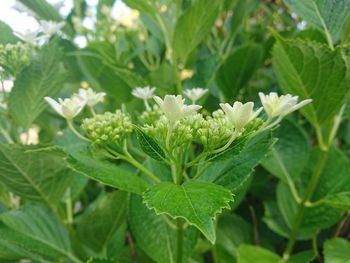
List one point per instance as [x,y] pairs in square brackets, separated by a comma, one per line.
[14,57]
[108,128]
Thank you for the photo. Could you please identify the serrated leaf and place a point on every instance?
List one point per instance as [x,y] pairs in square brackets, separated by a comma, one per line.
[194,26]
[36,229]
[249,254]
[44,76]
[197,202]
[102,219]
[34,175]
[105,172]
[327,15]
[233,172]
[289,154]
[149,145]
[238,69]
[6,34]
[337,250]
[312,71]
[155,236]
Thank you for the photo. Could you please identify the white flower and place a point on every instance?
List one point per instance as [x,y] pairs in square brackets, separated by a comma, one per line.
[144,93]
[50,27]
[129,18]
[275,105]
[31,136]
[90,97]
[174,108]
[28,36]
[240,114]
[67,108]
[195,94]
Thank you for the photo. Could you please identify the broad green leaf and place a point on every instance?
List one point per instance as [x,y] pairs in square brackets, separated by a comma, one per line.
[238,69]
[42,9]
[304,256]
[232,173]
[149,145]
[6,34]
[274,219]
[105,172]
[44,76]
[249,254]
[197,202]
[339,200]
[289,154]
[34,175]
[312,71]
[155,236]
[36,229]
[337,250]
[102,219]
[194,26]
[327,15]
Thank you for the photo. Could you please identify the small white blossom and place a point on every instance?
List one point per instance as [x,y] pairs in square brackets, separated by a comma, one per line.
[50,27]
[144,93]
[31,136]
[174,108]
[90,97]
[28,36]
[195,94]
[129,18]
[275,105]
[240,114]
[67,108]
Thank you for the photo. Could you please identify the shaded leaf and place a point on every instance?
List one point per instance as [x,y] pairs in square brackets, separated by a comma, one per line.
[149,145]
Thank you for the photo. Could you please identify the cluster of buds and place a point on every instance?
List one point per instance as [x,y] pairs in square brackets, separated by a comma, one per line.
[14,57]
[108,128]
[151,115]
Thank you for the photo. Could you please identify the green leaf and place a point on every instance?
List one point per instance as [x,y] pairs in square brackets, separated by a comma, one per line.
[42,9]
[33,175]
[36,229]
[143,6]
[6,34]
[232,173]
[43,77]
[149,145]
[155,236]
[238,69]
[311,70]
[197,202]
[249,254]
[105,172]
[337,250]
[241,10]
[194,26]
[289,154]
[304,256]
[102,219]
[339,200]
[327,15]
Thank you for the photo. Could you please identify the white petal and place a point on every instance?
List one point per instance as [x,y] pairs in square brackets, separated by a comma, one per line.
[55,105]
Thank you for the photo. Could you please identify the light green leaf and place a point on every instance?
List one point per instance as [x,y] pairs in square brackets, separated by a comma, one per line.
[43,77]
[327,15]
[105,172]
[249,254]
[102,219]
[34,175]
[197,202]
[42,9]
[337,250]
[143,6]
[238,69]
[36,229]
[289,154]
[149,145]
[194,26]
[6,34]
[312,71]
[233,172]
[155,236]
[339,200]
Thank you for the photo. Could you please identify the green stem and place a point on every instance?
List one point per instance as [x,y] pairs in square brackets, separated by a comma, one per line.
[6,135]
[71,126]
[308,194]
[69,208]
[179,240]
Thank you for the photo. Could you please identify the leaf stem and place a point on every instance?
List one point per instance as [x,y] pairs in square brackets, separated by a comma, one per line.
[71,127]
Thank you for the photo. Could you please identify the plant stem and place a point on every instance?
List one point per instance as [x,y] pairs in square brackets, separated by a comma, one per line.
[6,135]
[69,208]
[71,126]
[308,194]
[179,240]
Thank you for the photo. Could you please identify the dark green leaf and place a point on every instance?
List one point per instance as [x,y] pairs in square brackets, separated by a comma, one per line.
[149,145]
[311,70]
[154,234]
[197,202]
[43,77]
[105,172]
[238,69]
